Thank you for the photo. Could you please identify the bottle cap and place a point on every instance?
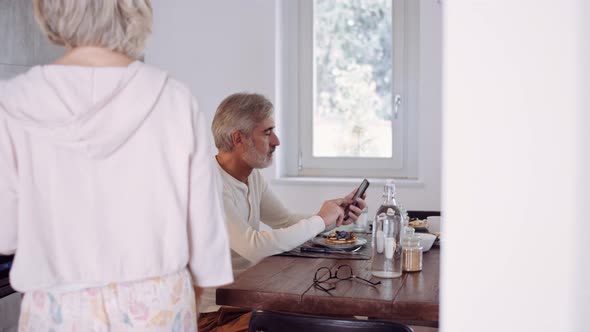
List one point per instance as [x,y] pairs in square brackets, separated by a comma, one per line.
[389,187]
[381,216]
[390,212]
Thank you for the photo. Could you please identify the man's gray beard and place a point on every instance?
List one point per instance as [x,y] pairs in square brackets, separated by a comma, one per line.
[255,159]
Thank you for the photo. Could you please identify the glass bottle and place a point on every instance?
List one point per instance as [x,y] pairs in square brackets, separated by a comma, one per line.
[405,219]
[388,203]
[386,260]
[389,200]
[411,251]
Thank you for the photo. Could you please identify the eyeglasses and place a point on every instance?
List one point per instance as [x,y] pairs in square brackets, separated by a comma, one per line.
[343,272]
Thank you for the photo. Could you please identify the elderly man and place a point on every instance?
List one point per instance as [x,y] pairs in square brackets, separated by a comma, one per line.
[243,129]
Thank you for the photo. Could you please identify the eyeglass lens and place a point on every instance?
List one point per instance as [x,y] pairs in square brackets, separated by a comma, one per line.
[322,274]
[344,272]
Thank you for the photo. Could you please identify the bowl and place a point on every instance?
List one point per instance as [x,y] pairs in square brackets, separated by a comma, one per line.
[426,239]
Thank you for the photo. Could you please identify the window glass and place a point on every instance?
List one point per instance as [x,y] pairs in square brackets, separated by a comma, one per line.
[352,56]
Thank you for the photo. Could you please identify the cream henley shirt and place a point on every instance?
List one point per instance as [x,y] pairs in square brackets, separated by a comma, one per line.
[246,206]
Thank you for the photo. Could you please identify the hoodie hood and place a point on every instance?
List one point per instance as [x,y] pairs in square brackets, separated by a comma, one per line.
[92,110]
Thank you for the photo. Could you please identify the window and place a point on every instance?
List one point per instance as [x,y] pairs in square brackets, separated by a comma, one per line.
[354,89]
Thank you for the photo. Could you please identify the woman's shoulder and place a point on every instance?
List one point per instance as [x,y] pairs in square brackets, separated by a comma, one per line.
[179,87]
[173,85]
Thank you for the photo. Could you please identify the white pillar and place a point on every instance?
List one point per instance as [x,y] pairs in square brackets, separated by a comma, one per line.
[515,155]
[583,193]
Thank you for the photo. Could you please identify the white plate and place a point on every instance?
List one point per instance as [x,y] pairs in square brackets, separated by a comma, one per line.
[321,241]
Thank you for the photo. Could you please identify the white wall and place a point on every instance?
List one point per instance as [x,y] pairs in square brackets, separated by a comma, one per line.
[515,163]
[215,47]
[224,46]
[23,44]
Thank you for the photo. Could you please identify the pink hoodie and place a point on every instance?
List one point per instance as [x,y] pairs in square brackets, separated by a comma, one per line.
[106,176]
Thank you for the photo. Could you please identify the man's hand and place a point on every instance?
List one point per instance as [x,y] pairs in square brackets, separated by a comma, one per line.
[353,211]
[332,212]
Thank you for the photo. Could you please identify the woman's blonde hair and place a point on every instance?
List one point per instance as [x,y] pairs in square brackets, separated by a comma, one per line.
[118,25]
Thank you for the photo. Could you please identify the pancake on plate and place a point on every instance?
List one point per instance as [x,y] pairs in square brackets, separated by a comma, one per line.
[341,237]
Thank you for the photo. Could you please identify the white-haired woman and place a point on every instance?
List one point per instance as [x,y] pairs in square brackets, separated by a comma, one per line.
[108,194]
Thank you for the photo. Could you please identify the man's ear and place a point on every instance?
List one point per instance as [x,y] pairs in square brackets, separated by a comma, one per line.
[237,138]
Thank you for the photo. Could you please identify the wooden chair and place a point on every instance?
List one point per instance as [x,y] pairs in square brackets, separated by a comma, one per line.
[268,321]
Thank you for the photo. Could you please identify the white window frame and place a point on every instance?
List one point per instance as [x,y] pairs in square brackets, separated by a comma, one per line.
[295,98]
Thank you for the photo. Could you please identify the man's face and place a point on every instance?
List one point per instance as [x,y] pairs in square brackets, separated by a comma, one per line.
[261,145]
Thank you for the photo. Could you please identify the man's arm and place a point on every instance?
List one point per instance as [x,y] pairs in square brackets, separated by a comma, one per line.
[274,213]
[255,245]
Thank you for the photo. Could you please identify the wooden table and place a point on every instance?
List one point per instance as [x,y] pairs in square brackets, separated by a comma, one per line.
[286,284]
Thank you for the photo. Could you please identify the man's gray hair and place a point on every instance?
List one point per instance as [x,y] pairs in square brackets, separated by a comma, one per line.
[239,112]
[118,25]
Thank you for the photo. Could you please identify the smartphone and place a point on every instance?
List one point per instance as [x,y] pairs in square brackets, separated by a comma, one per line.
[359,193]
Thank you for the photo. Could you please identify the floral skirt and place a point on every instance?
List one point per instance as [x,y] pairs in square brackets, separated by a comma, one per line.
[159,304]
